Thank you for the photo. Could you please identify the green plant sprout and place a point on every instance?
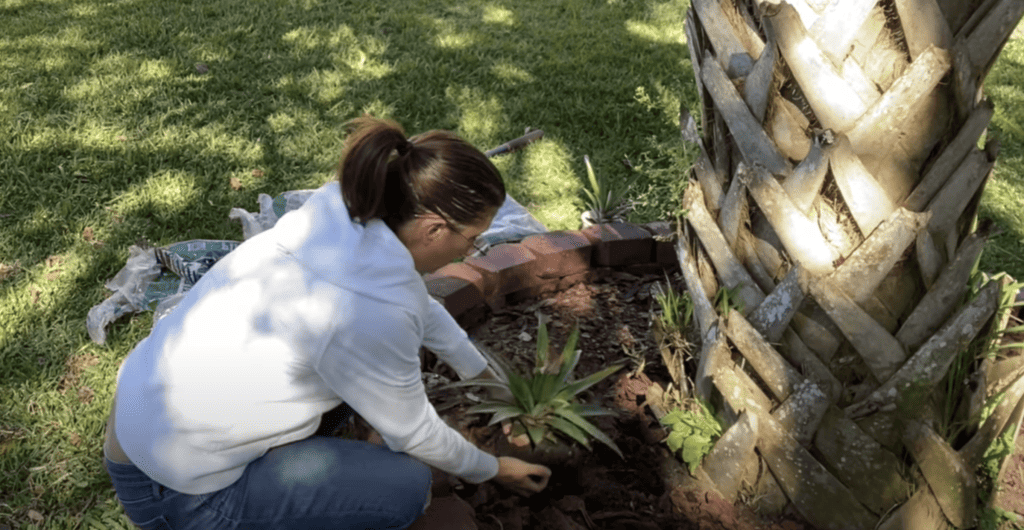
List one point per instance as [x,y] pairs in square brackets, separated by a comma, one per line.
[988,346]
[676,307]
[693,433]
[993,517]
[604,203]
[728,299]
[545,404]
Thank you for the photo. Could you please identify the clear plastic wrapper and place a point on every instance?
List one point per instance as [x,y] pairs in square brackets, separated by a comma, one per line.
[129,286]
[159,277]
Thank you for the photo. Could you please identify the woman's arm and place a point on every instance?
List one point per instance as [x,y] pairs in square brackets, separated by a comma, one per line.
[373,364]
[443,336]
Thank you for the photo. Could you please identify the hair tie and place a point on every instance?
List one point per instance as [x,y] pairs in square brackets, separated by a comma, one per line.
[404,147]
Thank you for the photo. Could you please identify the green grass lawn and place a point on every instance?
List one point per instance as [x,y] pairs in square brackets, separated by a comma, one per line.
[128,119]
[1003,199]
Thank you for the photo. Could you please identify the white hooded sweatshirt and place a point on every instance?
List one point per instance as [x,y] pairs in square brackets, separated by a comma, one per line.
[313,312]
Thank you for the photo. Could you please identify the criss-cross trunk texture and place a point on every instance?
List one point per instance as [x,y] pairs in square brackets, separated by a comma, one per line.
[841,159]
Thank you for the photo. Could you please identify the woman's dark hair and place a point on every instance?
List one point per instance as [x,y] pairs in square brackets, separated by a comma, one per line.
[385,176]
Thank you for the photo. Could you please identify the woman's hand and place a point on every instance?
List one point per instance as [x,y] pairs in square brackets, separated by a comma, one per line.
[521,477]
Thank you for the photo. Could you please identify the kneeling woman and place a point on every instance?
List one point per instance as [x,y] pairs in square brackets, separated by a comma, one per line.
[215,413]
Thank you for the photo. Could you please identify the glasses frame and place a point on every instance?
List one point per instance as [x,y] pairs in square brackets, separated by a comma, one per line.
[478,243]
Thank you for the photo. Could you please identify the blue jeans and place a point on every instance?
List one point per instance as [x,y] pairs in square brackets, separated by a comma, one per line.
[319,482]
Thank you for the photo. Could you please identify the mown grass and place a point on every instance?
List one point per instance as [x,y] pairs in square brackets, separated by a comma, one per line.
[1003,198]
[128,119]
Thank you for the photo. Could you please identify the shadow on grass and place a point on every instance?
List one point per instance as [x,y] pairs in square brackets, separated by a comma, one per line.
[130,118]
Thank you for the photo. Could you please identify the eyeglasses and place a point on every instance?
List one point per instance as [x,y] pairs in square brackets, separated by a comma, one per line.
[479,243]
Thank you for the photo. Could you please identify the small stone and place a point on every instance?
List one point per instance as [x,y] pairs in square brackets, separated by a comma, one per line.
[202,69]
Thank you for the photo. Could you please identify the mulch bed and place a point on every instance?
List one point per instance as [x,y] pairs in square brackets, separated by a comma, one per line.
[642,491]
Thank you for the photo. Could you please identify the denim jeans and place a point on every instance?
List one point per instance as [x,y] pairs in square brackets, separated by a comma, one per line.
[319,482]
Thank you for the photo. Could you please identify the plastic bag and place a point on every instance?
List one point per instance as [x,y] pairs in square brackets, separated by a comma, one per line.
[140,285]
[271,209]
[512,222]
[129,286]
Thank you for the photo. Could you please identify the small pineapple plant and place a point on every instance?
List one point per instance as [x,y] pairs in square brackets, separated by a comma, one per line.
[605,203]
[543,412]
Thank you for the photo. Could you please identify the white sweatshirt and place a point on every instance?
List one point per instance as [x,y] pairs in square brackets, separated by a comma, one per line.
[315,311]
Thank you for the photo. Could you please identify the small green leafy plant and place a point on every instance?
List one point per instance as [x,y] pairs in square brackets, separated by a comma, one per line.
[728,299]
[693,433]
[670,330]
[955,394]
[676,308]
[544,404]
[992,517]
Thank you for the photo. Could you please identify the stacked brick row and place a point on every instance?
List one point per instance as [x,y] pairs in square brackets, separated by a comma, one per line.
[546,263]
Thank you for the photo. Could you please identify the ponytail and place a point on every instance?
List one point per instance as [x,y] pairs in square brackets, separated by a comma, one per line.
[371,191]
[384,175]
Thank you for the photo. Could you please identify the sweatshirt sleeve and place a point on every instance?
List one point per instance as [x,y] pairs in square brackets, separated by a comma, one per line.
[443,336]
[373,364]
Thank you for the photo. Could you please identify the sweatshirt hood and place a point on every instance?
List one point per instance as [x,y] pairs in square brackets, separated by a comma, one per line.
[366,258]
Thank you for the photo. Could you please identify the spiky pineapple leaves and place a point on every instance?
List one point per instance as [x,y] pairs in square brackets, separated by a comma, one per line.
[545,405]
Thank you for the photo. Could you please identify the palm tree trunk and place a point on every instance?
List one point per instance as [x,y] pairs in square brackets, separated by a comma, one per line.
[837,186]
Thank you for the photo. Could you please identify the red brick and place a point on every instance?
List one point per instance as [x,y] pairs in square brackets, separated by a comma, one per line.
[459,286]
[560,253]
[620,244]
[664,251]
[511,266]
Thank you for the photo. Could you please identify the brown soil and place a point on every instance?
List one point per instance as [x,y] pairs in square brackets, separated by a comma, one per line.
[644,490]
[602,491]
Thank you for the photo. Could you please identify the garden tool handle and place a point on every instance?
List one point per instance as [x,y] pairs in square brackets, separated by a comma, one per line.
[518,143]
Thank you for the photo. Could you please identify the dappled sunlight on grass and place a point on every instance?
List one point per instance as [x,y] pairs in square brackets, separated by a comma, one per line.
[360,54]
[166,193]
[1003,199]
[480,116]
[453,40]
[326,85]
[499,15]
[120,80]
[511,74]
[664,23]
[142,119]
[549,179]
[654,32]
[50,52]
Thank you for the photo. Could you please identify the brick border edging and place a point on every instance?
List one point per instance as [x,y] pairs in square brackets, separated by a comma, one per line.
[547,263]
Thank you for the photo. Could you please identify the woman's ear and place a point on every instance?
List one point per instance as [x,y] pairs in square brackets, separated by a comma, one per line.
[428,229]
[435,230]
